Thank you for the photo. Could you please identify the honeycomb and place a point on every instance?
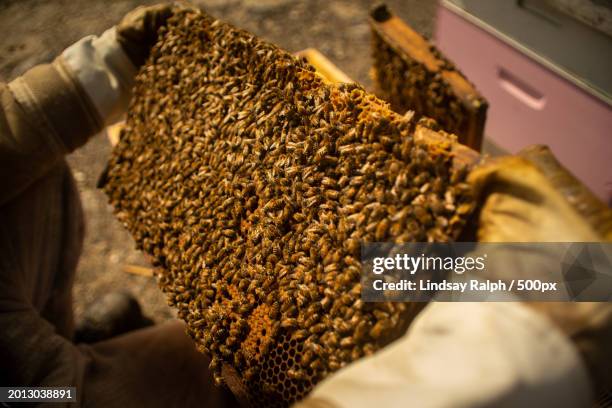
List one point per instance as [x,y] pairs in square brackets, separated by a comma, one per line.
[251,184]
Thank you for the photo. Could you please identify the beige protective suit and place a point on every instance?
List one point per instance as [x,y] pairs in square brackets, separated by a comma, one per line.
[455,355]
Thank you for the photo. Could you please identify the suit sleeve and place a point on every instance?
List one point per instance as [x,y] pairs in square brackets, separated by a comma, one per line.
[55,108]
[465,355]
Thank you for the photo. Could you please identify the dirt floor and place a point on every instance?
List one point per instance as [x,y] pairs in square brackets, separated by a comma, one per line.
[35,31]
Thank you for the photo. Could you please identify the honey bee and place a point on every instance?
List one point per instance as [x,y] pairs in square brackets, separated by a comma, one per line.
[296,374]
[289,323]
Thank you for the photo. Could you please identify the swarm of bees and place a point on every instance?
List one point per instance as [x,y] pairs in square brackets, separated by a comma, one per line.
[251,183]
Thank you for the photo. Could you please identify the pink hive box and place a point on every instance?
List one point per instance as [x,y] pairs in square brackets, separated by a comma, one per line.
[548,80]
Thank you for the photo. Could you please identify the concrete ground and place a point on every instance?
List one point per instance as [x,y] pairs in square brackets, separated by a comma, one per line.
[35,31]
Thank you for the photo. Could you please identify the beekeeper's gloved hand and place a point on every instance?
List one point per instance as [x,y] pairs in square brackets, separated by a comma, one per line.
[138,30]
[532,198]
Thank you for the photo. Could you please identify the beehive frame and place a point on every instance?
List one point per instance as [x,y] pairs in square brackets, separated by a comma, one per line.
[251,182]
[412,74]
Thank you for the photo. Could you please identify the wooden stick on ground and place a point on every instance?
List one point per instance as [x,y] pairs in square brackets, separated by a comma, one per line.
[138,270]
